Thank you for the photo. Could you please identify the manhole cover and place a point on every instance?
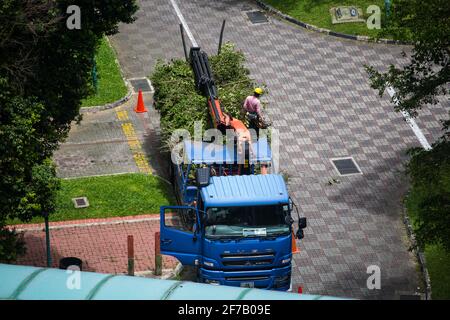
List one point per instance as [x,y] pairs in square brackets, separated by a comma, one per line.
[141,83]
[346,166]
[81,202]
[257,17]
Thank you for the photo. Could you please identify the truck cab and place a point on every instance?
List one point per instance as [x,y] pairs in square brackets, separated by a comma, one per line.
[237,230]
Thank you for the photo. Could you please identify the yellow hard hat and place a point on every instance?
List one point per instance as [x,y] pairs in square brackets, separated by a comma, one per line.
[259,91]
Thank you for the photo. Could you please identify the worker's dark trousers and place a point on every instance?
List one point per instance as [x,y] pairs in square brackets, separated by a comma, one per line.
[253,122]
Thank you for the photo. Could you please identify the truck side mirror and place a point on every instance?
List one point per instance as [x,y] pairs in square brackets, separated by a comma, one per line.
[302,223]
[299,235]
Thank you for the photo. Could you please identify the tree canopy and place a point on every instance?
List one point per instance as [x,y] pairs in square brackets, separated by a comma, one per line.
[44,74]
[422,83]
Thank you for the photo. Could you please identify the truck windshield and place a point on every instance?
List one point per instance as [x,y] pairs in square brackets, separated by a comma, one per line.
[238,222]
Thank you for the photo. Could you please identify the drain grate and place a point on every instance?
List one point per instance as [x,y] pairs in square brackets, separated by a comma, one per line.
[141,83]
[346,166]
[257,17]
[81,202]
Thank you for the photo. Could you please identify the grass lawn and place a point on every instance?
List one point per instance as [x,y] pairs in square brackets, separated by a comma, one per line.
[438,261]
[438,264]
[316,12]
[110,83]
[111,196]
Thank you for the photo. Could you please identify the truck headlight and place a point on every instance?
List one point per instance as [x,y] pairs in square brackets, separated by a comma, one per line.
[208,264]
[286,260]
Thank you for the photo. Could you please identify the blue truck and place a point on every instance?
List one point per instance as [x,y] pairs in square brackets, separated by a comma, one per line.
[233,224]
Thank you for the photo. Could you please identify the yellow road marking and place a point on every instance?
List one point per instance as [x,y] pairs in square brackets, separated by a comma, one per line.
[122,115]
[139,156]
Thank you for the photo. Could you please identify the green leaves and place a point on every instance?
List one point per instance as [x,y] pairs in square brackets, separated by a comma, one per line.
[429,199]
[180,104]
[44,74]
[418,85]
[426,76]
[11,245]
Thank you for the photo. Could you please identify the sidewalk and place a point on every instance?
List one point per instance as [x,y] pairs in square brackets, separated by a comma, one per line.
[100,243]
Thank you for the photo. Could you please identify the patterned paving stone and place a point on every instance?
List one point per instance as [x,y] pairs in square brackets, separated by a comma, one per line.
[98,146]
[324,108]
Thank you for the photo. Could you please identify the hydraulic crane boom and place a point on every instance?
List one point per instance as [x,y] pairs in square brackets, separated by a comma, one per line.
[204,82]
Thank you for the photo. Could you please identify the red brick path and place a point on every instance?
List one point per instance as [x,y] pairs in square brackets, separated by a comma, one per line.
[100,243]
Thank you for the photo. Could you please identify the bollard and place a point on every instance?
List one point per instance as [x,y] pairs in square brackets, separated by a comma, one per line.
[158,257]
[130,255]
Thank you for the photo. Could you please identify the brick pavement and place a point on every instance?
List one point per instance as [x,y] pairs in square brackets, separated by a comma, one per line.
[100,243]
[321,102]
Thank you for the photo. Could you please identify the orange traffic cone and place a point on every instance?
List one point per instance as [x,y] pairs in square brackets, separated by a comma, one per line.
[294,245]
[140,107]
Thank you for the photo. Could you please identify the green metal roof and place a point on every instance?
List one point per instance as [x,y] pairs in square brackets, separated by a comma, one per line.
[31,283]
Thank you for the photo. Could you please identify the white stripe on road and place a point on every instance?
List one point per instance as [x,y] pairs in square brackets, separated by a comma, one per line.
[183,22]
[412,123]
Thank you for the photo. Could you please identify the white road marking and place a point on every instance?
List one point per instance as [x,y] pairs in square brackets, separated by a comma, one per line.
[412,123]
[183,22]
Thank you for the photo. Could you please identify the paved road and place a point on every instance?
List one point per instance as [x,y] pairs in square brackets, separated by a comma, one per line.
[322,105]
[99,145]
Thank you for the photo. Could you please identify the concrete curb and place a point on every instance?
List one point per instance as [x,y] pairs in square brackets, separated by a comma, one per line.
[108,105]
[419,254]
[278,13]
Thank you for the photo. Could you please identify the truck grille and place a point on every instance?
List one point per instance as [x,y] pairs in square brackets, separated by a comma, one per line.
[248,255]
[247,259]
[248,263]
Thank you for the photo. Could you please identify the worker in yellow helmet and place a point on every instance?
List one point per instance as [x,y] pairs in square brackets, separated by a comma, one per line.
[252,108]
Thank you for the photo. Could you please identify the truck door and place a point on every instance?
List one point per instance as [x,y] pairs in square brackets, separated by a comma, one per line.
[180,228]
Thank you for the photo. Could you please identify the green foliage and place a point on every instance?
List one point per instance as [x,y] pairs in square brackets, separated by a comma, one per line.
[419,84]
[45,186]
[111,86]
[180,104]
[428,204]
[429,198]
[12,245]
[438,265]
[427,26]
[317,13]
[21,150]
[45,72]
